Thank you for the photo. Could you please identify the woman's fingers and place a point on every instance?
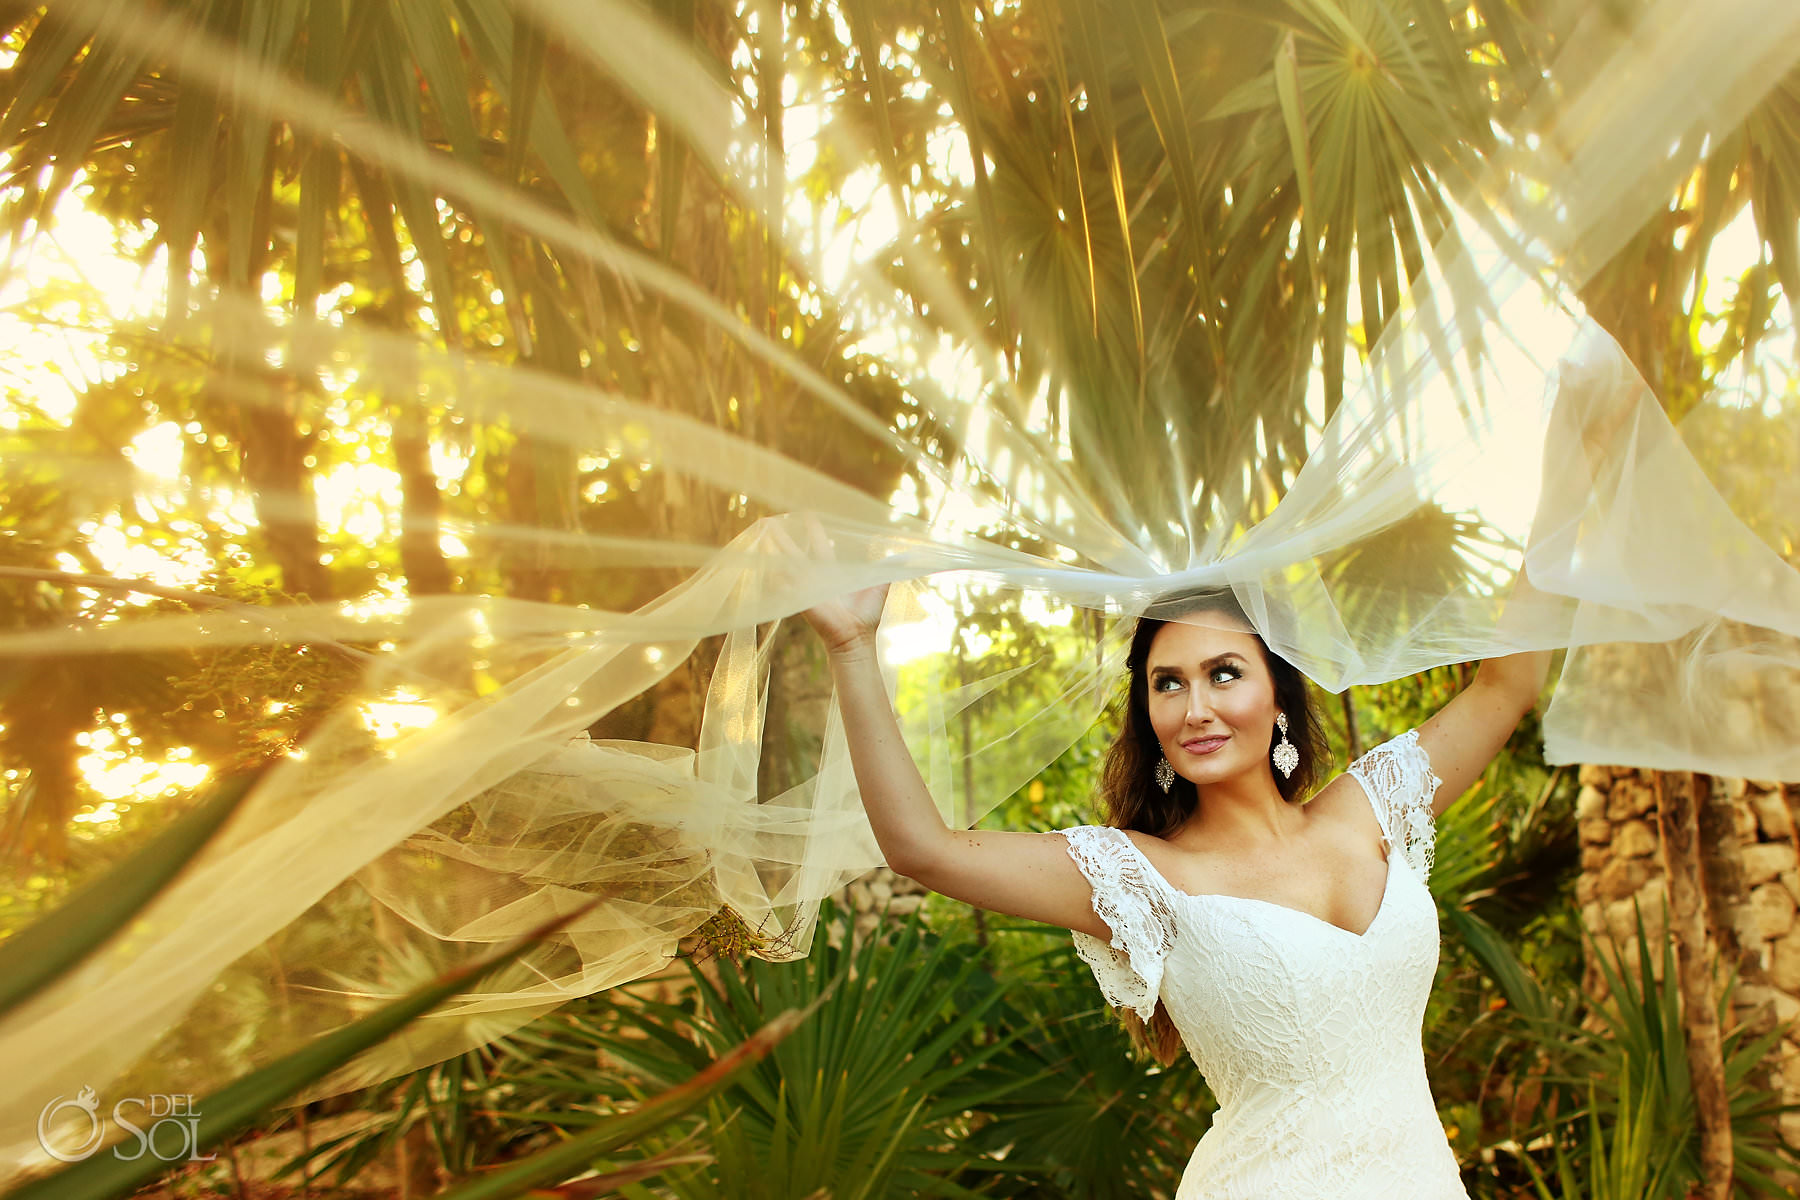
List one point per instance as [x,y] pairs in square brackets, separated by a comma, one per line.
[815,528]
[784,540]
[852,617]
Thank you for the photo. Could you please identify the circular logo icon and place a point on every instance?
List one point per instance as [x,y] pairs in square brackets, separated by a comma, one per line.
[85,1102]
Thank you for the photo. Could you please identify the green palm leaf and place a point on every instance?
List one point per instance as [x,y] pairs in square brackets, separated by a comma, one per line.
[45,950]
[240,1104]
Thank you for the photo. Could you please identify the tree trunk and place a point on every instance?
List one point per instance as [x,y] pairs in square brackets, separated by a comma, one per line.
[421,505]
[799,697]
[1677,815]
[41,733]
[1735,928]
[529,575]
[274,464]
[274,446]
[542,489]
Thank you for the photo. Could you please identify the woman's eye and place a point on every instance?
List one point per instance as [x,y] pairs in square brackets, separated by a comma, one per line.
[1226,674]
[1166,683]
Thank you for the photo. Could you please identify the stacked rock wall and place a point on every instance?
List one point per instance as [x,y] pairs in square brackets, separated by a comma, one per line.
[1621,871]
[1622,876]
[880,891]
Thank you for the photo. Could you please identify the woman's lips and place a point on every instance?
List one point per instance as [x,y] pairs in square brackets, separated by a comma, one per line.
[1205,745]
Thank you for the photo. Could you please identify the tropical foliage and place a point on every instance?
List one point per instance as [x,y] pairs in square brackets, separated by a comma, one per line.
[997,1073]
[98,913]
[1640,1113]
[1142,202]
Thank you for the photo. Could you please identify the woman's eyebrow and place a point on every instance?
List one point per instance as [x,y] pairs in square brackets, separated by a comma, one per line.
[1214,661]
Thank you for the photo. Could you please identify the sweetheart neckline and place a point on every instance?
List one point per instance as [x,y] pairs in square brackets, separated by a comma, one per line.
[1387,886]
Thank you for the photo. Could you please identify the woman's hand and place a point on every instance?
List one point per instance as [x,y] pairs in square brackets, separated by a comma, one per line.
[848,624]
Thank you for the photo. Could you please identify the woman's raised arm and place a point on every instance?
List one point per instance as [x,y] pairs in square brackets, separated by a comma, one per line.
[1465,735]
[1023,874]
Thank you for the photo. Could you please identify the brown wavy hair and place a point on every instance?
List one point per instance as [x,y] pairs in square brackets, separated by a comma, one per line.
[1128,790]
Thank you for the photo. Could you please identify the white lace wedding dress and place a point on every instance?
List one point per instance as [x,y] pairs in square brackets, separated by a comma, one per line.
[1308,1034]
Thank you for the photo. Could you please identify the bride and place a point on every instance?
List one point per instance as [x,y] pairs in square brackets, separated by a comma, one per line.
[1287,940]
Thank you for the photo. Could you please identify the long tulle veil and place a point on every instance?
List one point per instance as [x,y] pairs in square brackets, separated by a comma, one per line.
[1372,520]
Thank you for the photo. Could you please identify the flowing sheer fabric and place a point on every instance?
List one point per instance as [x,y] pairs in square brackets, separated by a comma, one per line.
[1491,406]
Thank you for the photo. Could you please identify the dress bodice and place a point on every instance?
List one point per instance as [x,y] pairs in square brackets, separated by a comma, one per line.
[1307,1033]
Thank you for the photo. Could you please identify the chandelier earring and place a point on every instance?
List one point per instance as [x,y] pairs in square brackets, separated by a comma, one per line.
[1164,773]
[1286,754]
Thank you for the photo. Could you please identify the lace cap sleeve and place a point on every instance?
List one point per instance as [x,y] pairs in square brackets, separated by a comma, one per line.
[1398,779]
[1135,906]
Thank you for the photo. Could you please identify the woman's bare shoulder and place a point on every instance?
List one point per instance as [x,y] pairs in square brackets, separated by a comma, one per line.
[1342,802]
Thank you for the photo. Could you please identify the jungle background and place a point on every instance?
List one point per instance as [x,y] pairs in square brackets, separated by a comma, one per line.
[1119,188]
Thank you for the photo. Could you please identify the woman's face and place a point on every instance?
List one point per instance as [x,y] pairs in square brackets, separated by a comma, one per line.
[1211,698]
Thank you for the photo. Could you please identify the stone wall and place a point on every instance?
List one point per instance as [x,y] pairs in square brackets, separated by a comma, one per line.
[879,891]
[1622,875]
